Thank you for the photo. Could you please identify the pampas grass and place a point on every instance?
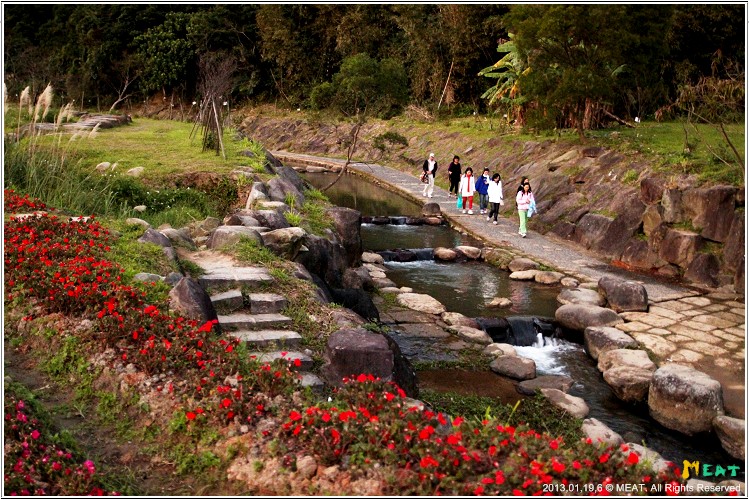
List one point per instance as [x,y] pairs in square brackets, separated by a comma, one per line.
[43,102]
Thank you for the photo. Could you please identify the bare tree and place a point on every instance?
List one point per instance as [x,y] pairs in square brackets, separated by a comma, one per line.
[214,86]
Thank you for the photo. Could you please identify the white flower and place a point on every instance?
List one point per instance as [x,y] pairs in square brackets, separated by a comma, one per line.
[226,103]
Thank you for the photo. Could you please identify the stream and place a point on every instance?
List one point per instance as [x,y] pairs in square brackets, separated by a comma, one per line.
[466,287]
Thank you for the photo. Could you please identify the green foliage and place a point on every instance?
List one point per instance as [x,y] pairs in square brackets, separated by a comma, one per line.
[390,137]
[165,52]
[630,176]
[363,83]
[251,252]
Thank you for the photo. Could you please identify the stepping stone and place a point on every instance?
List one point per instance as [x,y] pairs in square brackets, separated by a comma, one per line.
[262,338]
[268,357]
[244,321]
[251,277]
[311,380]
[264,303]
[228,302]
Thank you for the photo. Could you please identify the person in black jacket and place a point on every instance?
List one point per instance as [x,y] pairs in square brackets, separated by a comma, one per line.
[430,169]
[453,174]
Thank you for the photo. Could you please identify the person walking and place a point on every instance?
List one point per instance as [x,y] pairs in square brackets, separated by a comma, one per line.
[482,188]
[430,169]
[522,181]
[453,174]
[524,199]
[496,197]
[467,189]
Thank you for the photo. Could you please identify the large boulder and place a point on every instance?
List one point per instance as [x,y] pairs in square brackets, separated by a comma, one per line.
[358,277]
[324,258]
[579,317]
[259,192]
[680,247]
[272,219]
[712,210]
[347,225]
[421,302]
[473,335]
[229,235]
[286,242]
[445,254]
[577,407]
[651,190]
[559,382]
[732,434]
[469,252]
[600,432]
[684,399]
[358,301]
[514,367]
[734,249]
[155,237]
[192,301]
[179,237]
[352,352]
[629,383]
[580,296]
[632,358]
[599,339]
[703,270]
[522,264]
[280,189]
[457,319]
[623,295]
[548,277]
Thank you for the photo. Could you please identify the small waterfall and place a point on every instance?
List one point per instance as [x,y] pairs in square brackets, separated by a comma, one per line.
[524,331]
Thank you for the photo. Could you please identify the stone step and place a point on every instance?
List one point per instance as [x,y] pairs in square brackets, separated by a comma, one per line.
[264,303]
[228,302]
[311,380]
[244,321]
[262,338]
[268,357]
[232,277]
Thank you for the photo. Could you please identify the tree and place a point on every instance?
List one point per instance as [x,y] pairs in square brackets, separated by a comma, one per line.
[507,71]
[166,53]
[364,86]
[574,53]
[215,83]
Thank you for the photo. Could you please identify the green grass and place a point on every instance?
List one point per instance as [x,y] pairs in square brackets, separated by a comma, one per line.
[672,151]
[537,412]
[163,148]
[136,257]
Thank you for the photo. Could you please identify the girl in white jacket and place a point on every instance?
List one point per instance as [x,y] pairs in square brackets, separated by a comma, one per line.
[524,199]
[467,188]
[495,196]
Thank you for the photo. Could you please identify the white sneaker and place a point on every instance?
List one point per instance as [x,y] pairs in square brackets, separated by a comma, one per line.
[488,218]
[470,212]
[495,223]
[464,211]
[523,235]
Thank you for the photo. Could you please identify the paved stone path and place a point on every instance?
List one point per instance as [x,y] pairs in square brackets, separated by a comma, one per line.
[683,325]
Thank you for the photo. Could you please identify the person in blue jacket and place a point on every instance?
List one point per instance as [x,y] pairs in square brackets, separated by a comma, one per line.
[482,188]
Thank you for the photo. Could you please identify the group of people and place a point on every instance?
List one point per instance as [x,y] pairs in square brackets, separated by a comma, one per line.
[463,185]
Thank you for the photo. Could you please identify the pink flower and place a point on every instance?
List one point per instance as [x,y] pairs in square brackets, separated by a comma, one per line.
[35,434]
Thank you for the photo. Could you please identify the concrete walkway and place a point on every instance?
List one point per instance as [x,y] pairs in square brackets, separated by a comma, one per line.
[683,325]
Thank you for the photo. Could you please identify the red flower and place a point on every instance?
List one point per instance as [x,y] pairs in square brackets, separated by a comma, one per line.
[633,458]
[336,436]
[553,444]
[604,458]
[295,415]
[190,415]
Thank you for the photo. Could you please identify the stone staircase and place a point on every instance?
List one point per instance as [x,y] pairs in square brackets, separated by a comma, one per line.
[256,319]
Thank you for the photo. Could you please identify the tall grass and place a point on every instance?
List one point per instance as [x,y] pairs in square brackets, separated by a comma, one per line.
[45,174]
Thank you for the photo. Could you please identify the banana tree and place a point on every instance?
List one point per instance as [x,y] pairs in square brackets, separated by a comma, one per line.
[507,71]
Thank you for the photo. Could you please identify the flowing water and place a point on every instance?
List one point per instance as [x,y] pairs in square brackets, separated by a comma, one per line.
[467,287]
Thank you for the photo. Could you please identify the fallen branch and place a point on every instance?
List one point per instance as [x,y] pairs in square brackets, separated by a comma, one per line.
[616,118]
